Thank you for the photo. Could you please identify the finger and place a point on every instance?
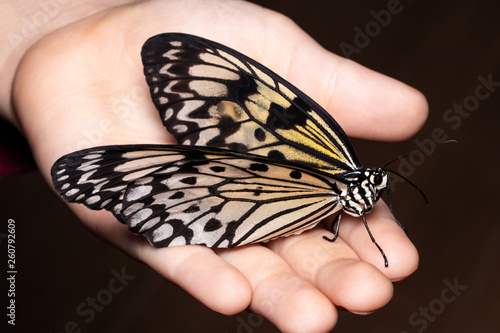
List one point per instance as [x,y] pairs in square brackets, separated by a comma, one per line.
[285,299]
[335,269]
[203,274]
[401,254]
[365,103]
[196,269]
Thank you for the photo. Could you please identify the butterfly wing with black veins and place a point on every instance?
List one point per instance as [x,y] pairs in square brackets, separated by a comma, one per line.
[211,95]
[98,177]
[175,195]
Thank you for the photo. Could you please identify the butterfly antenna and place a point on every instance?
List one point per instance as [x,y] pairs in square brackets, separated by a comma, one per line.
[386,263]
[411,183]
[418,151]
[392,211]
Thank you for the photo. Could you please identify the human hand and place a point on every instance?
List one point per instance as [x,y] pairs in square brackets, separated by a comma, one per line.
[83,86]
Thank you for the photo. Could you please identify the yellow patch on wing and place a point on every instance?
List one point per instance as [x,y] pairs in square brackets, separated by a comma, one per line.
[272,95]
[263,76]
[292,154]
[325,127]
[229,109]
[234,60]
[287,92]
[302,135]
[246,135]
[259,104]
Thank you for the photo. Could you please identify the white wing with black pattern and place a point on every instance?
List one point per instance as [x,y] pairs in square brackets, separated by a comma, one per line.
[175,195]
[211,95]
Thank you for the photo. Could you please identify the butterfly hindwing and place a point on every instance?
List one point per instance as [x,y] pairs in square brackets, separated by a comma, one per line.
[98,177]
[177,195]
[211,95]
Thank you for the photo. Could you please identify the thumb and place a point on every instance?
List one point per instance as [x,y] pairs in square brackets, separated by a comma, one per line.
[365,103]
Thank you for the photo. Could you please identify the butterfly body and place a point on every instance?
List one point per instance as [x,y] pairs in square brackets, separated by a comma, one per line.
[256,158]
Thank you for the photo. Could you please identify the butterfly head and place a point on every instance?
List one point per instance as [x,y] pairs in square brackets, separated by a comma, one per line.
[364,188]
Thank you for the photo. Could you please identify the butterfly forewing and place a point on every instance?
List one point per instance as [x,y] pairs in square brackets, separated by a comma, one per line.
[211,95]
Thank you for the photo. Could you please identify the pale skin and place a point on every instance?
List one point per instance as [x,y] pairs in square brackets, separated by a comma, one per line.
[77,81]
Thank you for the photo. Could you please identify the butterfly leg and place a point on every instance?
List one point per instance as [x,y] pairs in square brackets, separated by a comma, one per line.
[375,242]
[336,223]
[392,211]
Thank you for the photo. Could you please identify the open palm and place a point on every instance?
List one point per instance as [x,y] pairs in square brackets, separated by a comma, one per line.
[83,86]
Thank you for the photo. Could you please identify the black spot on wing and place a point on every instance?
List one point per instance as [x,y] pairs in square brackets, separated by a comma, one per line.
[259,167]
[177,195]
[192,209]
[213,190]
[296,174]
[218,169]
[231,232]
[227,127]
[285,118]
[260,135]
[258,191]
[212,225]
[238,147]
[188,180]
[276,154]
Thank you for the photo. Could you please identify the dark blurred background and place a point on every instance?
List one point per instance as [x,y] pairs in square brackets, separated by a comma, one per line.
[445,49]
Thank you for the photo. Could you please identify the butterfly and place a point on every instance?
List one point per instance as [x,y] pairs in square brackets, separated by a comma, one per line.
[256,158]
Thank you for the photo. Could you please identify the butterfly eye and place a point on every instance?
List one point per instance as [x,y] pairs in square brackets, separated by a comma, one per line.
[378,179]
